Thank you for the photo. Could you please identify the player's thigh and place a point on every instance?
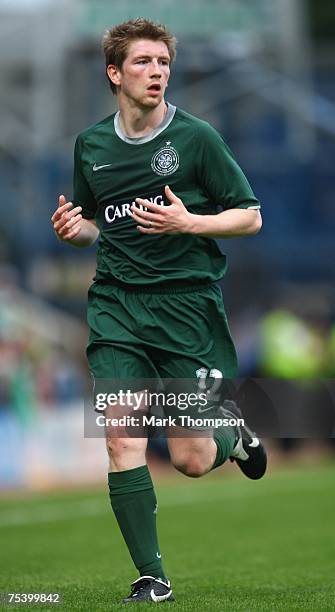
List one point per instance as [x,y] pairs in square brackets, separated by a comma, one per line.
[120,362]
[199,379]
[205,342]
[126,437]
[120,375]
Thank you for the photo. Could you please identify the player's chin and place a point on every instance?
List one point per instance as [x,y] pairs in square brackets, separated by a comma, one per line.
[152,101]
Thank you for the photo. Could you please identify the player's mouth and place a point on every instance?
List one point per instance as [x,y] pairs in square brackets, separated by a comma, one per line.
[154,89]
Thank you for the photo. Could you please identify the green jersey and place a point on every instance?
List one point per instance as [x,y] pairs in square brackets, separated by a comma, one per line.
[111,170]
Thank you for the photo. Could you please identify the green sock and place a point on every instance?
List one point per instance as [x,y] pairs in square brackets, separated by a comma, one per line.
[224,438]
[134,504]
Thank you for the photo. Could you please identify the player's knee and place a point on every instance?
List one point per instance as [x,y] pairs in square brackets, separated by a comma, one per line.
[118,448]
[190,465]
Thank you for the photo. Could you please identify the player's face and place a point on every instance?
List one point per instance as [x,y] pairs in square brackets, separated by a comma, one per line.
[145,73]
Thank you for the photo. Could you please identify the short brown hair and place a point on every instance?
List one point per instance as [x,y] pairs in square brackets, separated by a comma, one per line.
[115,41]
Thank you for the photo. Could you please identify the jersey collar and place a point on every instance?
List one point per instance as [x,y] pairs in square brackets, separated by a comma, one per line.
[142,139]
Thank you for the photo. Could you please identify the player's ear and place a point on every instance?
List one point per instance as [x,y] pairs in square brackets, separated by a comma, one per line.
[113,74]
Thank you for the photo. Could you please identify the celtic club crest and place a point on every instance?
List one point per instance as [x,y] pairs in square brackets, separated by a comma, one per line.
[165,161]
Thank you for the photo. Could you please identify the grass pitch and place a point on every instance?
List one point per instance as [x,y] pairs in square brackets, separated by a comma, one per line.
[228,544]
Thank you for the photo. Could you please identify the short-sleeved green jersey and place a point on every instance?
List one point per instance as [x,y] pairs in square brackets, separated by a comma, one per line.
[111,170]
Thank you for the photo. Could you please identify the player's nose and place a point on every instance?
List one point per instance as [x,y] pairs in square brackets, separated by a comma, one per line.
[155,68]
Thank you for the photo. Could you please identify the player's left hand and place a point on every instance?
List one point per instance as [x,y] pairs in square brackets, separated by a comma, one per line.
[157,219]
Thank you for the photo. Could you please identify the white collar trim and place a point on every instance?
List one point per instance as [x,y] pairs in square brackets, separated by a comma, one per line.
[170,113]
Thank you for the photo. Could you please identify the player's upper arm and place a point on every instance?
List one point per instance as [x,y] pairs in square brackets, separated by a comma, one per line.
[82,194]
[219,173]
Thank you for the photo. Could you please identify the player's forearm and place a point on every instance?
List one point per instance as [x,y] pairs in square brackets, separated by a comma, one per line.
[231,223]
[87,235]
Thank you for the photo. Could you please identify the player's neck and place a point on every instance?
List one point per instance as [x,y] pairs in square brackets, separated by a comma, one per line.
[137,122]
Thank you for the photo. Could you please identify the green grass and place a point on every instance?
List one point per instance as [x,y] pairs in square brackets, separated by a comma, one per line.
[228,544]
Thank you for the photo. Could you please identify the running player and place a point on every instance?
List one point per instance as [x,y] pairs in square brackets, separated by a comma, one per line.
[158,186]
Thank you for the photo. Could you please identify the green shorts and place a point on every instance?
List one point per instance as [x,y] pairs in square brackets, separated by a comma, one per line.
[166,334]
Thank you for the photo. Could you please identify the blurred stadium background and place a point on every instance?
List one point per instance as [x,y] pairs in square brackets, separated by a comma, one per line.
[262,73]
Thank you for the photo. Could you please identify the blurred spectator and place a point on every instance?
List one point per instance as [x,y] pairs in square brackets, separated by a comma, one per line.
[290,347]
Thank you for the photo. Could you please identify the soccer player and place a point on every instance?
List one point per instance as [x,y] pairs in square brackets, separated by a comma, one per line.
[157,186]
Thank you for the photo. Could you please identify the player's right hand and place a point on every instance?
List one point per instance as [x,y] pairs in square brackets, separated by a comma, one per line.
[66,220]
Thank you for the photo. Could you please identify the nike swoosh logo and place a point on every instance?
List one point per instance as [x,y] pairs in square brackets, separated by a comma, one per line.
[254,443]
[201,410]
[95,167]
[157,598]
